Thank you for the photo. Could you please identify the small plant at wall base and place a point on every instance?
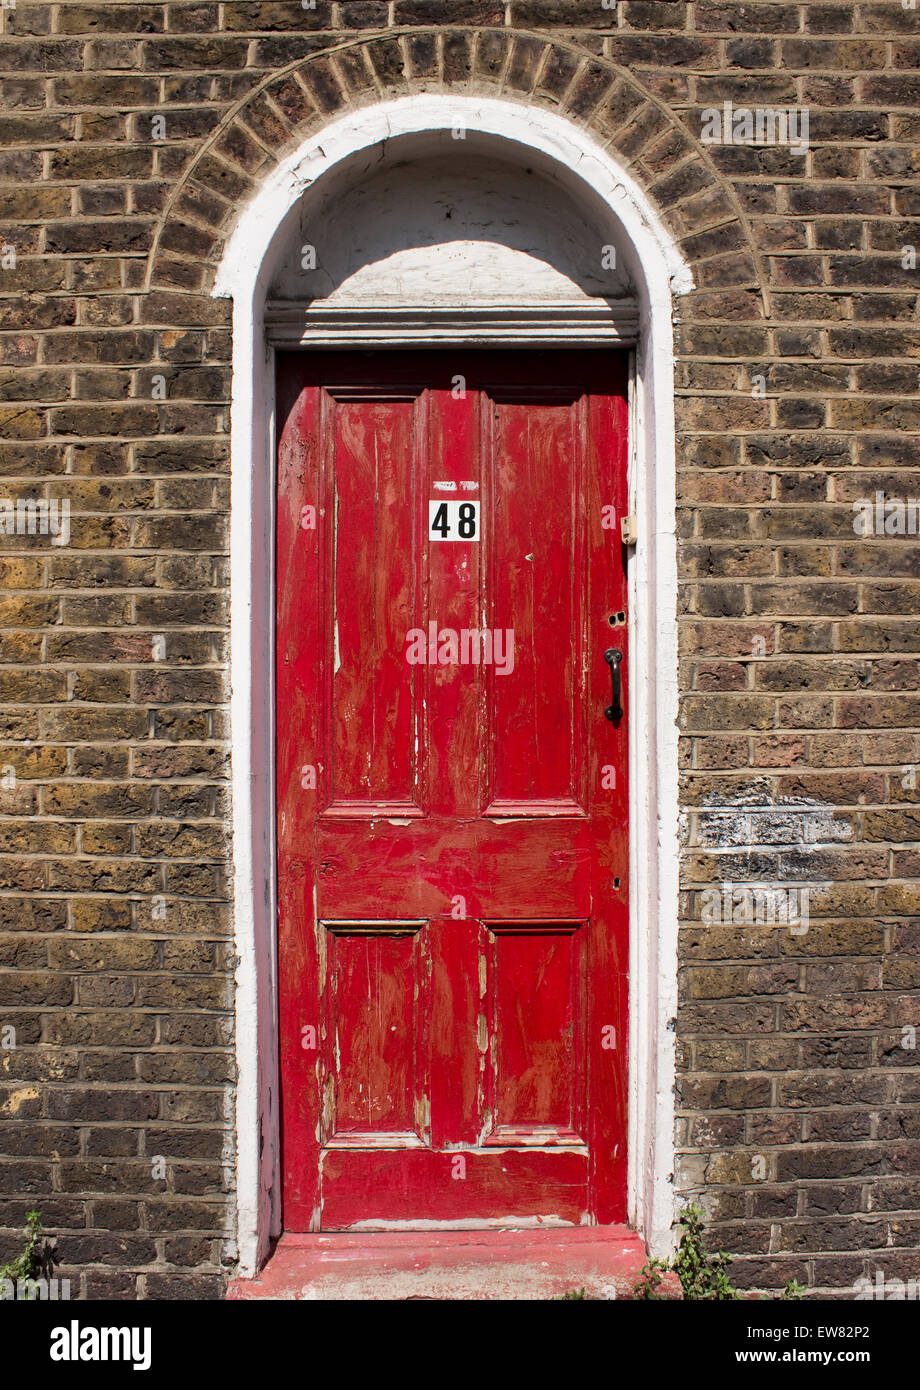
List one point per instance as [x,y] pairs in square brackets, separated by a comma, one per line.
[36,1259]
[702,1275]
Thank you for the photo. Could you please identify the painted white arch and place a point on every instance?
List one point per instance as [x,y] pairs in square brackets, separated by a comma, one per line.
[658,271]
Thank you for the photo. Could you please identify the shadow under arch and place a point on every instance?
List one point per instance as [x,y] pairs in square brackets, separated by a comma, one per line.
[426,218]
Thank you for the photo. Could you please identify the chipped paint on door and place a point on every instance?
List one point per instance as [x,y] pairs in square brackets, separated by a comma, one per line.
[453,881]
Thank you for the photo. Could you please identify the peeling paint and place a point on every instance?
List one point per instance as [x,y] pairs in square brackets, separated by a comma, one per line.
[422,1111]
[328,1104]
[321,946]
[756,821]
[472,1223]
[482,1033]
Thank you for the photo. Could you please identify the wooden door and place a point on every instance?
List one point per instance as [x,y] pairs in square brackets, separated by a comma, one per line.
[452,788]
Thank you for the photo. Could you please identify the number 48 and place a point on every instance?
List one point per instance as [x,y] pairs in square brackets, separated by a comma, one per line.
[453,521]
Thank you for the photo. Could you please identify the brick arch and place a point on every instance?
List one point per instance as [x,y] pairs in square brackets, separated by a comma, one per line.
[697,205]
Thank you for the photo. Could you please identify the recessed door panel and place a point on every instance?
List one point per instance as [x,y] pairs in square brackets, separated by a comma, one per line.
[536,1028]
[369,484]
[375,1002]
[535,525]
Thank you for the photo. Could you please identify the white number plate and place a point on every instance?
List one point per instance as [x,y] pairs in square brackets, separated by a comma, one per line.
[453,520]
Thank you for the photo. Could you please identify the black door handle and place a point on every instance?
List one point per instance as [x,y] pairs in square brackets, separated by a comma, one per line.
[613,656]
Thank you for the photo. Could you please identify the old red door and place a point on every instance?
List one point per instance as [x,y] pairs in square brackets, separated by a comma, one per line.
[451,788]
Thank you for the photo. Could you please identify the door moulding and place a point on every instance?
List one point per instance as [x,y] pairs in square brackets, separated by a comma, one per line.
[658,272]
[612,324]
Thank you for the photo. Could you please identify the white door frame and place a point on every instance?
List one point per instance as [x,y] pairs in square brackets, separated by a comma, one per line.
[658,271]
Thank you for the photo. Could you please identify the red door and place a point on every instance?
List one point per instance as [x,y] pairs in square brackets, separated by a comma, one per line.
[452,798]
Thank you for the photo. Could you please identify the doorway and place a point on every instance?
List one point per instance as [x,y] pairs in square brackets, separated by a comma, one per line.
[268,234]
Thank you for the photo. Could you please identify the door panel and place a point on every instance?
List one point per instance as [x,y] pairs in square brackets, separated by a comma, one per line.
[536,1016]
[370,688]
[370,692]
[376,999]
[452,801]
[534,525]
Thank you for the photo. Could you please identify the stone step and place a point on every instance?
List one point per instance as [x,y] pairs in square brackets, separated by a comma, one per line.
[459,1264]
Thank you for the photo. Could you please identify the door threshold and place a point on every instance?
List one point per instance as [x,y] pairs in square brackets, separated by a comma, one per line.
[605,1261]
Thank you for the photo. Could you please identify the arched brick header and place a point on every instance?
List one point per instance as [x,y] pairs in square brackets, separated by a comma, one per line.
[695,203]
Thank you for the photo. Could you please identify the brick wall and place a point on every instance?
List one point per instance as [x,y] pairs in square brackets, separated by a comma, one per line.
[798,394]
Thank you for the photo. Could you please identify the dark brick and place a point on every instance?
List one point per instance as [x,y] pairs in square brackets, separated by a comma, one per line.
[460,12]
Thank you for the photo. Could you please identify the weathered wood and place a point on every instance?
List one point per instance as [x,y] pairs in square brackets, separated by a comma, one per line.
[453,948]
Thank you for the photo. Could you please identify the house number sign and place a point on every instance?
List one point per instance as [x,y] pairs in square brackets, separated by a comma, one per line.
[453,520]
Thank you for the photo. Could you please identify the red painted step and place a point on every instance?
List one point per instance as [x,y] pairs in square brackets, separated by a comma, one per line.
[529,1264]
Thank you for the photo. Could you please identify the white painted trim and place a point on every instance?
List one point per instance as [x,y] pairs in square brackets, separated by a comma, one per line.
[611,324]
[657,270]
